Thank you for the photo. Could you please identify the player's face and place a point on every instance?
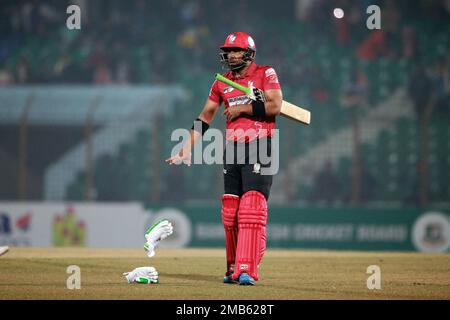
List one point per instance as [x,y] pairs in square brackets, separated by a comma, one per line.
[235,56]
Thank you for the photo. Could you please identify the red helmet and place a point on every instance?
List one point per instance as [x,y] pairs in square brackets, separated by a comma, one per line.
[242,41]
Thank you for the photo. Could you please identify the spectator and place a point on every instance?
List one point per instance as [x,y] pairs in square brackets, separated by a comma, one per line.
[391,17]
[353,20]
[39,17]
[22,71]
[303,9]
[319,92]
[410,49]
[374,46]
[419,89]
[442,87]
[98,64]
[122,72]
[326,185]
[121,63]
[368,184]
[102,74]
[5,77]
[356,90]
[141,18]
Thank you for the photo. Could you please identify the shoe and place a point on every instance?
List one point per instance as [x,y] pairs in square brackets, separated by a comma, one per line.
[229,280]
[246,280]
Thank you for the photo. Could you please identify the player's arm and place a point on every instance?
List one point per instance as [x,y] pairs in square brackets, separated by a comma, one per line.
[274,99]
[206,117]
[268,104]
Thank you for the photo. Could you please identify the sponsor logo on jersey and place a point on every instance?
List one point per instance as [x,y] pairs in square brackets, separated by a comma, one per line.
[270,72]
[238,100]
[227,89]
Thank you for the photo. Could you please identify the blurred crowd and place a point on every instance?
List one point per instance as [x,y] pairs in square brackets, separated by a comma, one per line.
[155,42]
[160,42]
[151,41]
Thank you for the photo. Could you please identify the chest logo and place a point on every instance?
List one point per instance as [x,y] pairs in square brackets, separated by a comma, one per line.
[227,89]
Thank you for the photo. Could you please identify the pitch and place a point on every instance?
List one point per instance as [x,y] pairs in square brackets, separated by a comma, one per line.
[40,273]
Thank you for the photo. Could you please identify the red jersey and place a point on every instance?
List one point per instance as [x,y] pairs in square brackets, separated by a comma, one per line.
[261,77]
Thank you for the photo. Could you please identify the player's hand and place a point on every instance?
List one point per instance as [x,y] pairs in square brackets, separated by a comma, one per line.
[182,157]
[232,113]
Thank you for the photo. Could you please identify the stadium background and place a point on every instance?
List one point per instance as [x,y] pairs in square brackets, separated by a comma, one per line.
[86,117]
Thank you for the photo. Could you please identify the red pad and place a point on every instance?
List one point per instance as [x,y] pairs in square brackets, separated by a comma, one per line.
[262,247]
[252,220]
[230,205]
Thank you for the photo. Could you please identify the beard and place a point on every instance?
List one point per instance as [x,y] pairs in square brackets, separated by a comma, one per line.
[236,65]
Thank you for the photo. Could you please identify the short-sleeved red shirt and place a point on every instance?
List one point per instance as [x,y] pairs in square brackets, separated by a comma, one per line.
[246,128]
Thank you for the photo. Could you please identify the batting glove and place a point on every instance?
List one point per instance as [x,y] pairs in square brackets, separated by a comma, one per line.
[146,275]
[256,94]
[259,95]
[159,231]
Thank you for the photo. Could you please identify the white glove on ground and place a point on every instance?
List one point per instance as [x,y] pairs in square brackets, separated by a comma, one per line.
[142,275]
[159,231]
[4,250]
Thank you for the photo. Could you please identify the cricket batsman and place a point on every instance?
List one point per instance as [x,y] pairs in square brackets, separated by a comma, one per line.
[250,121]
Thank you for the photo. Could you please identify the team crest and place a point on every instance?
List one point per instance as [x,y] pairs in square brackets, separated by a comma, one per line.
[270,72]
[250,83]
[232,38]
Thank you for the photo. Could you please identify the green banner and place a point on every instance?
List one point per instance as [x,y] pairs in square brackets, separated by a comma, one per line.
[336,229]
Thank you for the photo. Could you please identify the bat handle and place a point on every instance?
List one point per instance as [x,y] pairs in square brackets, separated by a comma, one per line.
[235,85]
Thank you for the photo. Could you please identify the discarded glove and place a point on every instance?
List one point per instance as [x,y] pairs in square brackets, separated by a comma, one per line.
[146,275]
[159,231]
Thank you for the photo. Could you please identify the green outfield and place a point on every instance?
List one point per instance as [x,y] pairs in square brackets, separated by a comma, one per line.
[40,273]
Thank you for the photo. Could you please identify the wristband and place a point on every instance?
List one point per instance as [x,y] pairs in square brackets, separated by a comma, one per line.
[201,130]
[259,109]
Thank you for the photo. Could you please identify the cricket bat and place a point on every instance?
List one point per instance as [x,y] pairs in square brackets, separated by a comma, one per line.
[288,110]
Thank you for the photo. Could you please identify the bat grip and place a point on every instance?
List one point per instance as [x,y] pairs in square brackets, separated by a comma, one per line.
[235,85]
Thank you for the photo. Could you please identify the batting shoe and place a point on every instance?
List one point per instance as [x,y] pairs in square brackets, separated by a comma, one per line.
[245,280]
[229,280]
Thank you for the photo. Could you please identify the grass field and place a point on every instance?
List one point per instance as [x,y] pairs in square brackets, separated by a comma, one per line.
[40,273]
